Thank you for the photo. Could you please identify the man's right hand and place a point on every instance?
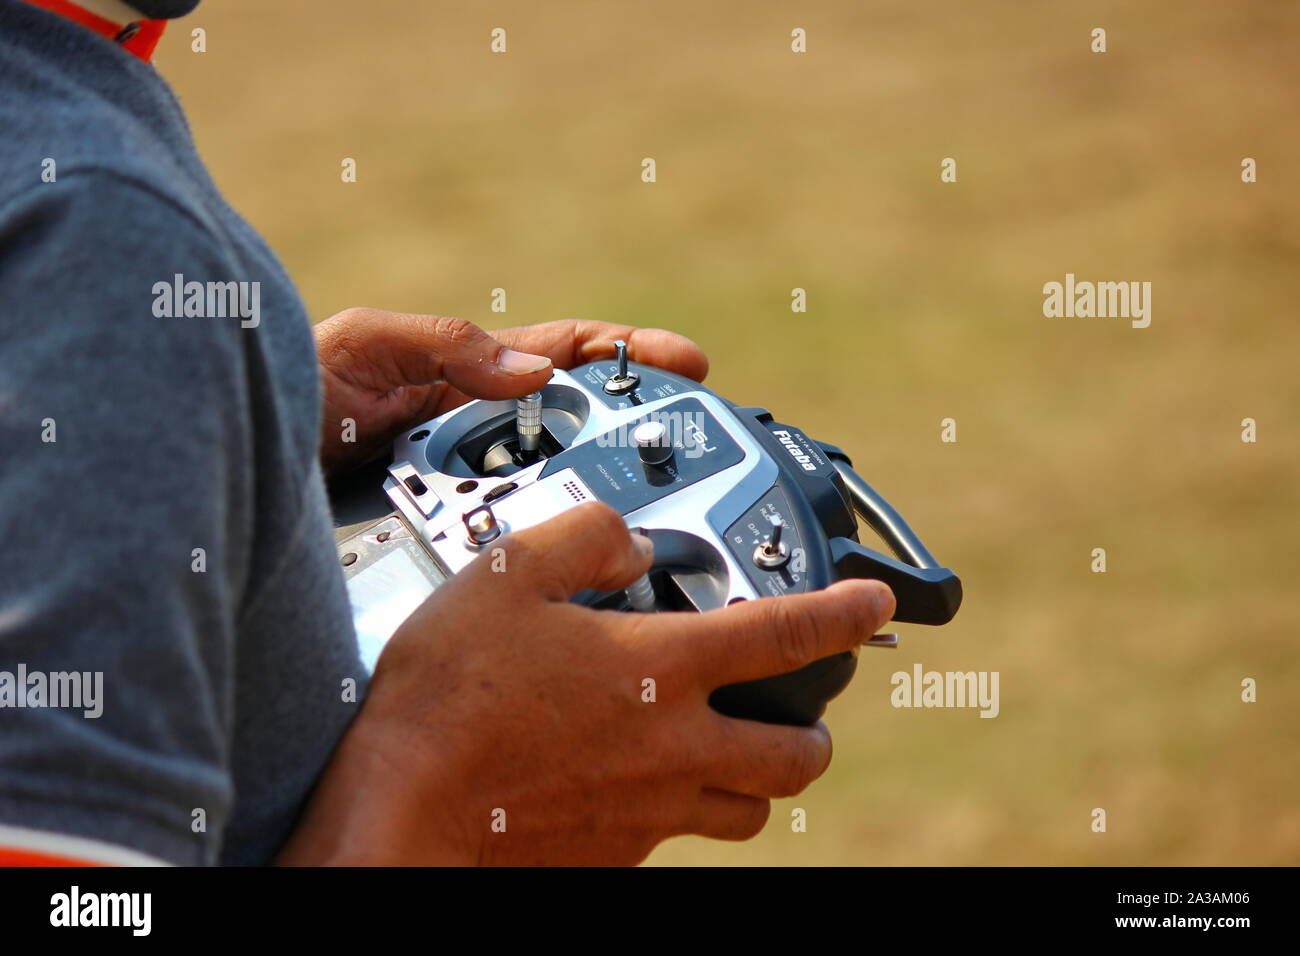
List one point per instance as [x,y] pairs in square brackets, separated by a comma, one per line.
[499,702]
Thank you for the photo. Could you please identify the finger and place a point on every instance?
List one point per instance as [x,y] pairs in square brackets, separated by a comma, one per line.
[728,816]
[767,760]
[771,636]
[585,547]
[572,342]
[399,349]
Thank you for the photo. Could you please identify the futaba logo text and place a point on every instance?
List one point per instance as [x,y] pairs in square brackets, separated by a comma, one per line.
[795,451]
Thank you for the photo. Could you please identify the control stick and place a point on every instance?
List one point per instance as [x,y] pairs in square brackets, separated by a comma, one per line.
[641,593]
[528,425]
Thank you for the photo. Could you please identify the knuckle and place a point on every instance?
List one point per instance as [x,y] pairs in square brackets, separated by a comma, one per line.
[793,632]
[352,314]
[517,545]
[551,568]
[604,520]
[845,623]
[521,555]
[604,529]
[455,330]
[341,337]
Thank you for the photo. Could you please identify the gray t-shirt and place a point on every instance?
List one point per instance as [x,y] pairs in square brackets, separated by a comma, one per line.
[131,438]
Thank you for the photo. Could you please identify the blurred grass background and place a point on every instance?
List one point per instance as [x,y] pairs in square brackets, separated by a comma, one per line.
[821,171]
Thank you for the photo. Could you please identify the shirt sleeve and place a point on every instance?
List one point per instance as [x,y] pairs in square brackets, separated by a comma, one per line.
[124,481]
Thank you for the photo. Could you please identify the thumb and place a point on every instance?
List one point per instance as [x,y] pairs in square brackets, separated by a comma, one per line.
[428,349]
[458,352]
[776,635]
[585,547]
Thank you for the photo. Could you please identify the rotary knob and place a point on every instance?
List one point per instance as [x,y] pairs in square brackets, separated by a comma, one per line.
[652,443]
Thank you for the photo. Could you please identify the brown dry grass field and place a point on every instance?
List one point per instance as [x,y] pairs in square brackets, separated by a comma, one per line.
[820,170]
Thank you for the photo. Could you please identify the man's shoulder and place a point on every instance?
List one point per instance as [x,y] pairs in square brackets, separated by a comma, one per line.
[85,120]
[106,164]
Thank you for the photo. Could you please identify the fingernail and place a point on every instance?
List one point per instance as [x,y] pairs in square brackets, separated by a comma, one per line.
[521,363]
[884,603]
[644,545]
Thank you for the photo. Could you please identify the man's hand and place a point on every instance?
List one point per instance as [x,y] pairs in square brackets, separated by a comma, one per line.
[387,371]
[500,702]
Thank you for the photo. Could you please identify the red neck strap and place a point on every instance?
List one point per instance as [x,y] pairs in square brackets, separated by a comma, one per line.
[138,37]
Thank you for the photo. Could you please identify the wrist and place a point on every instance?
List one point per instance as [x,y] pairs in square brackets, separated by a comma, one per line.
[370,809]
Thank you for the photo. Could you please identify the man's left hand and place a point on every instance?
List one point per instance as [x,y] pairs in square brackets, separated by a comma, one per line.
[387,371]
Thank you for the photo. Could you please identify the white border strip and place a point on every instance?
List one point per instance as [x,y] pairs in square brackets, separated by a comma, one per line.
[73,848]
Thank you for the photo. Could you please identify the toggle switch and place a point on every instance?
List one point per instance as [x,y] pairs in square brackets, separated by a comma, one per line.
[622,381]
[772,554]
[653,445]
